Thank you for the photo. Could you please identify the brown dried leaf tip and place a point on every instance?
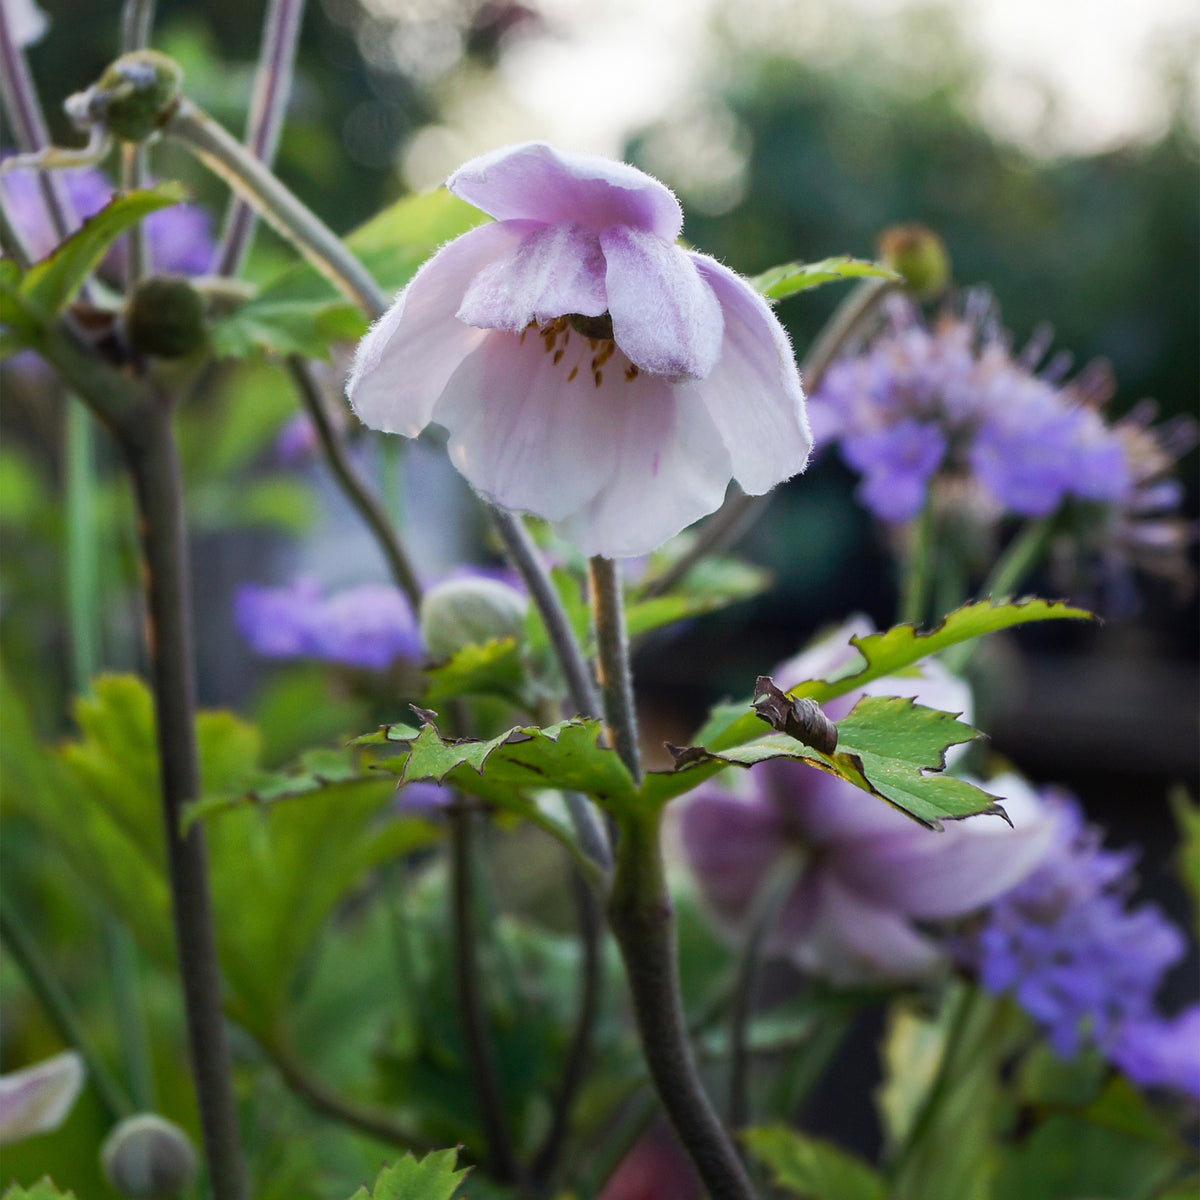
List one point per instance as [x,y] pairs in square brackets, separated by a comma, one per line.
[800,719]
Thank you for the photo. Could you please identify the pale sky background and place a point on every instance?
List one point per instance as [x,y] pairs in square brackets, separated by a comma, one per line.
[604,68]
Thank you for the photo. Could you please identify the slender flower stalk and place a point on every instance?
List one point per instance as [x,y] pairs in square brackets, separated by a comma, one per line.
[137,20]
[616,681]
[46,987]
[268,104]
[255,183]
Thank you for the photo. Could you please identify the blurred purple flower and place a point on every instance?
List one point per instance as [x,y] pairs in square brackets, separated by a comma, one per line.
[1084,965]
[180,237]
[1026,439]
[865,872]
[297,439]
[365,626]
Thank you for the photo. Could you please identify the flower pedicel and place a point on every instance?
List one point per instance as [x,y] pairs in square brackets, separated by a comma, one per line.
[588,369]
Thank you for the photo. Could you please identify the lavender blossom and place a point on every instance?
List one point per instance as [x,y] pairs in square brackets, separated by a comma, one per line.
[366,626]
[1086,966]
[38,1099]
[923,404]
[180,237]
[587,368]
[864,872]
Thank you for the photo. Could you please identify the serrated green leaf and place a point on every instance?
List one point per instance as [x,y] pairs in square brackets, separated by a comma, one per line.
[789,278]
[890,747]
[814,1169]
[44,1189]
[51,284]
[301,312]
[491,669]
[433,1177]
[889,652]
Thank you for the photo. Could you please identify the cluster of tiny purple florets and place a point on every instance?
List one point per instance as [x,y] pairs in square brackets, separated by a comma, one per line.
[1084,964]
[953,400]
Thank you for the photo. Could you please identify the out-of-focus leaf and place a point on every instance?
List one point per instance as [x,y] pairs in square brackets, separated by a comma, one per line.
[1187,821]
[789,278]
[51,284]
[301,312]
[492,669]
[44,1189]
[24,492]
[274,502]
[891,651]
[811,1168]
[433,1177]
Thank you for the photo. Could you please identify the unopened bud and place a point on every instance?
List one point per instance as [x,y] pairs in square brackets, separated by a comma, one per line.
[919,255]
[464,612]
[133,98]
[148,1157]
[165,317]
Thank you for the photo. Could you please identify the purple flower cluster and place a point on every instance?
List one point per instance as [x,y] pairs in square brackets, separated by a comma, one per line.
[366,626]
[180,237]
[953,401]
[1084,964]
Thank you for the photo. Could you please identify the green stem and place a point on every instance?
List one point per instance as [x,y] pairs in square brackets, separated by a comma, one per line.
[612,662]
[502,1166]
[229,159]
[353,488]
[137,20]
[917,571]
[740,511]
[131,1018]
[148,441]
[643,923]
[82,565]
[46,987]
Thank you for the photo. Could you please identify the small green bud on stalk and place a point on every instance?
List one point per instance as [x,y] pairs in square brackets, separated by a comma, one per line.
[919,255]
[464,612]
[165,317]
[132,99]
[147,1157]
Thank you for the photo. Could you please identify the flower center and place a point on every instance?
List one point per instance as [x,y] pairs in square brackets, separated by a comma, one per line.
[580,355]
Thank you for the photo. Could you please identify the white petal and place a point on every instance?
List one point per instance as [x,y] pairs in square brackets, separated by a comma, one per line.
[754,392]
[536,182]
[555,269]
[670,468]
[665,317]
[38,1099]
[408,354]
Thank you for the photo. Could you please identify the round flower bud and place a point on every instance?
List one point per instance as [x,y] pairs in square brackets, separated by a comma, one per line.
[919,255]
[133,97]
[165,317]
[464,612]
[147,1157]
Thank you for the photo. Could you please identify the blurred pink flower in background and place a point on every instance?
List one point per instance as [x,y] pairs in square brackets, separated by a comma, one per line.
[588,369]
[38,1099]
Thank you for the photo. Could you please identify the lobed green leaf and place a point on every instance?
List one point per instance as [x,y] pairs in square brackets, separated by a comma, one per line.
[809,1167]
[433,1177]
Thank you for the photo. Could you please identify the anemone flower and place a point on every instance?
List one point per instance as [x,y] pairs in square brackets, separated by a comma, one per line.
[587,368]
[38,1099]
[864,871]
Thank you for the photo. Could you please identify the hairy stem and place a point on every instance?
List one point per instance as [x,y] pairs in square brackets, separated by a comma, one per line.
[740,511]
[149,444]
[352,486]
[268,104]
[642,920]
[612,658]
[228,158]
[50,993]
[501,1163]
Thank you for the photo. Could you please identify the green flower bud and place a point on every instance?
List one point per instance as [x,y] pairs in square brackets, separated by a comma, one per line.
[147,1157]
[919,255]
[133,98]
[165,317]
[464,612]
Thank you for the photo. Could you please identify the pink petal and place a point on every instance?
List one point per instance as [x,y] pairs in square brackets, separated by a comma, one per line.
[754,393]
[731,843]
[669,469]
[825,810]
[38,1099]
[535,182]
[404,361]
[554,270]
[829,931]
[665,317]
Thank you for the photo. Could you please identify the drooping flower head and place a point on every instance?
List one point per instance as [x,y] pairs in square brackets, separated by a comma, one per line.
[1085,964]
[864,872]
[588,369]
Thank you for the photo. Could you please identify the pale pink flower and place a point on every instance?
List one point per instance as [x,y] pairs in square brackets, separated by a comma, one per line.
[587,368]
[865,872]
[38,1099]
